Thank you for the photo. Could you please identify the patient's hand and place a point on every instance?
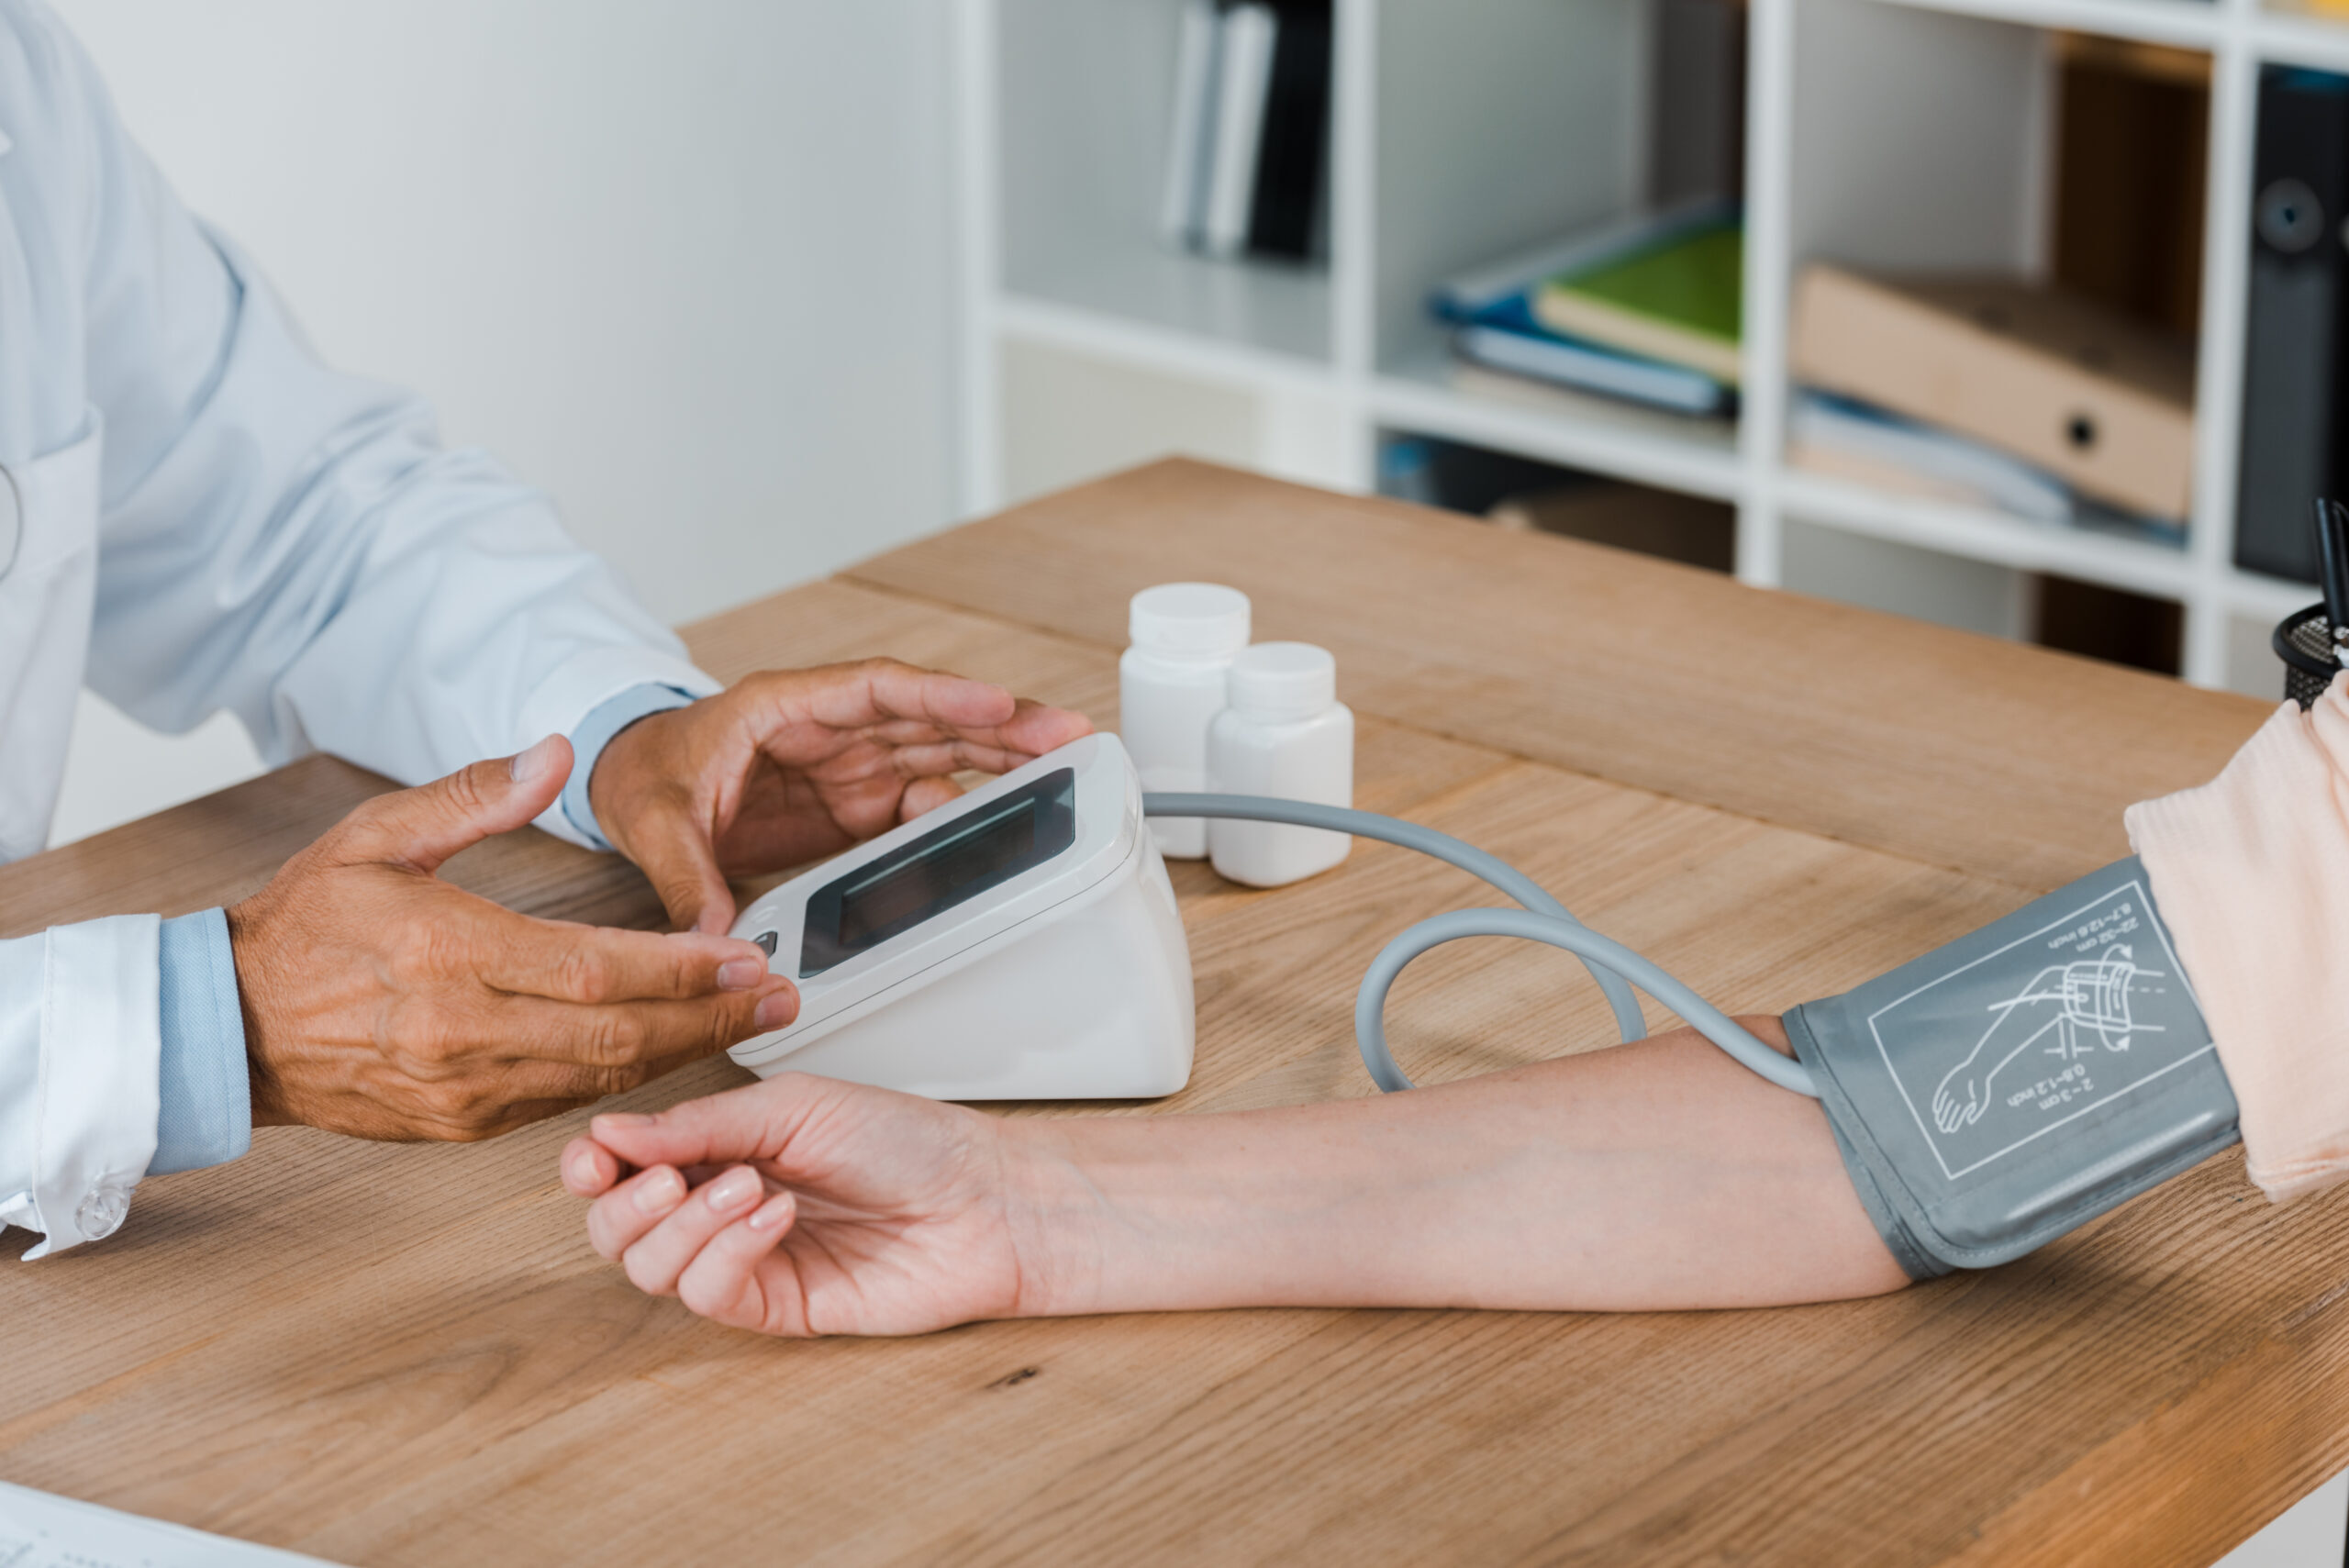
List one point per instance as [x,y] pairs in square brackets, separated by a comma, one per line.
[802,1206]
[1656,1174]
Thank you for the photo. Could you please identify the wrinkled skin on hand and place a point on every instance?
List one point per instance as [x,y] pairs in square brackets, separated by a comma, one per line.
[382,1002]
[789,765]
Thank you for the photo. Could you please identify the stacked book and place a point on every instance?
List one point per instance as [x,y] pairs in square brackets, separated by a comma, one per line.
[1247,159]
[1993,391]
[1647,309]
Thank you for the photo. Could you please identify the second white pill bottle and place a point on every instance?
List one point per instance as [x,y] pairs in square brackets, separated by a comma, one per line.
[1184,636]
[1283,732]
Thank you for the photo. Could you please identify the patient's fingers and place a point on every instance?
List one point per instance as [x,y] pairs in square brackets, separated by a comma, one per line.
[589,1168]
[633,1207]
[656,1258]
[753,1122]
[721,1283]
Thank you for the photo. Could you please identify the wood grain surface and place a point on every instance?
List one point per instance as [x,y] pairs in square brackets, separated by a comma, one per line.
[392,1354]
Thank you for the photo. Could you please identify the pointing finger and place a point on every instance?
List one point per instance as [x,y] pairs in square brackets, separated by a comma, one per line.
[609,1049]
[596,964]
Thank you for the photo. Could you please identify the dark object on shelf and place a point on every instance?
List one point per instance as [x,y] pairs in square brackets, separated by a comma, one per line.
[1691,529]
[2332,557]
[1697,103]
[1248,145]
[1460,478]
[1293,154]
[1524,493]
[2131,145]
[2303,640]
[2111,624]
[2294,405]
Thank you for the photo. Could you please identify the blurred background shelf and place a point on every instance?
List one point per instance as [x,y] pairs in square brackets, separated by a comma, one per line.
[1148,344]
[1564,426]
[2284,36]
[1131,280]
[1992,538]
[1895,134]
[2187,24]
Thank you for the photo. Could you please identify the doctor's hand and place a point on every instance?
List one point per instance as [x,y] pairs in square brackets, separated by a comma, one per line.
[790,765]
[383,1002]
[801,1205]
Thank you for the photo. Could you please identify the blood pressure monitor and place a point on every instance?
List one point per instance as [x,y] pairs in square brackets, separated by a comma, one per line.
[1020,943]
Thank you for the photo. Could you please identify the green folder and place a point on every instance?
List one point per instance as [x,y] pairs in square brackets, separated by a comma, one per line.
[1676,297]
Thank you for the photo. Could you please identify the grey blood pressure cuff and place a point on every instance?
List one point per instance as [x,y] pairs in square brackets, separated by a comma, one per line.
[1998,1092]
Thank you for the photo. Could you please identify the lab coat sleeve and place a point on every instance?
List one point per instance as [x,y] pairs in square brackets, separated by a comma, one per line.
[78,1128]
[293,544]
[79,1042]
[204,1114]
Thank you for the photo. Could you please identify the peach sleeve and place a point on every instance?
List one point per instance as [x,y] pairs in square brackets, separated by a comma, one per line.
[2251,871]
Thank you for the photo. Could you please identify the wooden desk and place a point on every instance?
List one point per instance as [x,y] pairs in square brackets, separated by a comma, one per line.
[388,1354]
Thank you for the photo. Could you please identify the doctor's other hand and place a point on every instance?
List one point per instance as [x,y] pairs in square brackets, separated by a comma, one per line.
[786,766]
[382,1002]
[802,1206]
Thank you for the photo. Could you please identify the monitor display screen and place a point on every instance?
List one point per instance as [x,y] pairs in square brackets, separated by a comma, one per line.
[946,867]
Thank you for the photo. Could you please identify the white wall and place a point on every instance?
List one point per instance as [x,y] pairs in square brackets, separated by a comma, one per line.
[684,265]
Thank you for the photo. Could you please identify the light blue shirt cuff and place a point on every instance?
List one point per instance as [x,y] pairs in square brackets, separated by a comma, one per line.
[208,1107]
[595,732]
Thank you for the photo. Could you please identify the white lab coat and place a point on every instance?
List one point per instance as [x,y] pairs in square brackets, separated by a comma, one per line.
[194,514]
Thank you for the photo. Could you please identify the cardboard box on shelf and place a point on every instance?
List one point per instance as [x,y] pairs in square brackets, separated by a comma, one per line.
[2104,403]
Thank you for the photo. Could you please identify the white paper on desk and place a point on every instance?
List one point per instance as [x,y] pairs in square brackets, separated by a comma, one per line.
[37,1531]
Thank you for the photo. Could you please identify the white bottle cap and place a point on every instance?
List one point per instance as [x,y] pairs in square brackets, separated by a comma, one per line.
[1281,683]
[1199,620]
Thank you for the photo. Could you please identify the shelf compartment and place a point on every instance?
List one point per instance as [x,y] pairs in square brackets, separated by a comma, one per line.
[1084,105]
[1974,145]
[1152,346]
[1513,490]
[1504,125]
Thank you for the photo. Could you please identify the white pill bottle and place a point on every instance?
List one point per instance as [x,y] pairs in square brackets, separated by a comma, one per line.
[1184,636]
[1283,732]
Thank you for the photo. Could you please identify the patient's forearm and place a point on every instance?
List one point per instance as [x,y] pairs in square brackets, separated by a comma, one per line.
[1653,1175]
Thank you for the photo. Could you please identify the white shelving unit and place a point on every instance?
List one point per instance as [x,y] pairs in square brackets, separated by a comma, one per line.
[1883,132]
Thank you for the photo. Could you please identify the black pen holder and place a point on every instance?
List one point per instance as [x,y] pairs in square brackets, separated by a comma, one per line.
[2303,640]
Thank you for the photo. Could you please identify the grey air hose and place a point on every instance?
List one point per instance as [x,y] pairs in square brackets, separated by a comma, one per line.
[1543,919]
